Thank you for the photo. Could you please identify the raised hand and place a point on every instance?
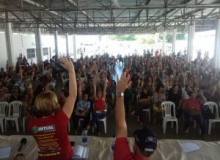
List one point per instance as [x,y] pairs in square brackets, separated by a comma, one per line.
[123,83]
[67,63]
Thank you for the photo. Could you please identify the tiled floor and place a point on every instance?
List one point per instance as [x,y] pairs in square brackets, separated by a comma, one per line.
[157,128]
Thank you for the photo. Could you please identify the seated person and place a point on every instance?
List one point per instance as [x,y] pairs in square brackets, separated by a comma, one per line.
[49,122]
[175,96]
[192,112]
[16,94]
[26,105]
[3,96]
[82,110]
[99,103]
[159,97]
[145,139]
[143,103]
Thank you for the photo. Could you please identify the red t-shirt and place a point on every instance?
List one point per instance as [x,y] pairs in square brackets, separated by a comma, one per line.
[51,136]
[99,104]
[122,150]
[192,102]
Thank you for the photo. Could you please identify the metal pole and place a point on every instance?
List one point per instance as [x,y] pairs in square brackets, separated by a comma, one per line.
[191,33]
[174,40]
[39,50]
[67,44]
[9,41]
[164,42]
[156,37]
[217,46]
[56,42]
[74,46]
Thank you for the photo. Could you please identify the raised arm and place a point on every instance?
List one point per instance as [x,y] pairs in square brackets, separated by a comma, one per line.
[184,79]
[121,126]
[80,88]
[33,73]
[94,87]
[69,104]
[104,89]
[85,76]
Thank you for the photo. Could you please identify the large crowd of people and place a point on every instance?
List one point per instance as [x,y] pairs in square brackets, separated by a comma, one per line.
[171,78]
[152,80]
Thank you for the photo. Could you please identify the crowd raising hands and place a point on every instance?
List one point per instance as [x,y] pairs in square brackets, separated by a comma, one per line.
[89,91]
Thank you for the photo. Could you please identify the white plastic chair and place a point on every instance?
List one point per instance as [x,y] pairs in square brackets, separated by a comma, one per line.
[167,108]
[148,112]
[3,106]
[80,121]
[104,122]
[144,110]
[15,106]
[214,109]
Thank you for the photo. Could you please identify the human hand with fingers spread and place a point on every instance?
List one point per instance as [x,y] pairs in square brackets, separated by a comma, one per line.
[67,63]
[123,83]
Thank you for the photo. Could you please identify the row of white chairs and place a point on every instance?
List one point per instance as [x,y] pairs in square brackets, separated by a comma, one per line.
[10,112]
[168,106]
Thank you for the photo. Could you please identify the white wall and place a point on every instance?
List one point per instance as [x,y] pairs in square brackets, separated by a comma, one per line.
[22,41]
[48,41]
[61,45]
[70,41]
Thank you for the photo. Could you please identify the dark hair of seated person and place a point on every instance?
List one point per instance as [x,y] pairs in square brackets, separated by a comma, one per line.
[190,93]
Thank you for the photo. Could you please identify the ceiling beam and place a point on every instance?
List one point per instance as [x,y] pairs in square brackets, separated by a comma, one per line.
[146,2]
[71,8]
[207,15]
[79,10]
[37,19]
[16,16]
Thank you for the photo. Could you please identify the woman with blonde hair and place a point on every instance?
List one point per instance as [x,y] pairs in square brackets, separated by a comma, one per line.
[49,124]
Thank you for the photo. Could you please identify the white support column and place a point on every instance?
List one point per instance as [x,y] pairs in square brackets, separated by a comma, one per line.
[67,44]
[74,46]
[9,43]
[174,40]
[191,33]
[217,46]
[156,38]
[164,42]
[39,50]
[56,42]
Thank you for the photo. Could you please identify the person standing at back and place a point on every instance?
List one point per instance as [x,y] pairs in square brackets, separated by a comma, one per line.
[49,122]
[145,139]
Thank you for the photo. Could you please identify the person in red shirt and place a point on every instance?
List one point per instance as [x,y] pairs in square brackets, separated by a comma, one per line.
[49,122]
[99,110]
[145,139]
[192,112]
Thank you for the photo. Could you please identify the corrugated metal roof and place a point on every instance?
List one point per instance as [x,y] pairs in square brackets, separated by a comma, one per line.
[109,16]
